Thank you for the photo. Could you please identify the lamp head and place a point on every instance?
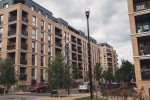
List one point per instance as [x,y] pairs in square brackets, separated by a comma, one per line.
[87,12]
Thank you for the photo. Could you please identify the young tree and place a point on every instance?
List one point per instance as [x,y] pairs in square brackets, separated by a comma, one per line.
[56,73]
[7,73]
[75,73]
[97,76]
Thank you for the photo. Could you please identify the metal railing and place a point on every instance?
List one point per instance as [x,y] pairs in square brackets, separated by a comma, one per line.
[12,18]
[11,32]
[58,34]
[144,50]
[11,46]
[25,33]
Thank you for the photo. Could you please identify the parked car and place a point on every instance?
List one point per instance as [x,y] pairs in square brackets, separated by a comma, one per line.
[84,87]
[39,88]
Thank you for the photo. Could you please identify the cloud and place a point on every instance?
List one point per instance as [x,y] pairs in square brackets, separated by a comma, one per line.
[108,20]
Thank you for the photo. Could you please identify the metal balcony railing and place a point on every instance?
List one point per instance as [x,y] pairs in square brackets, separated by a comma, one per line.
[142,6]
[12,18]
[25,33]
[11,32]
[74,41]
[74,49]
[79,43]
[24,19]
[24,46]
[11,46]
[59,44]
[58,34]
[22,77]
[74,58]
[23,61]
[80,51]
[144,50]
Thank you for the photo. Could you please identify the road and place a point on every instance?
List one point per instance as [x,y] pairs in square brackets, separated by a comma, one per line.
[42,96]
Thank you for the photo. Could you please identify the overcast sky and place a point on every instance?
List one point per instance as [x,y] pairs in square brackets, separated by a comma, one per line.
[109,20]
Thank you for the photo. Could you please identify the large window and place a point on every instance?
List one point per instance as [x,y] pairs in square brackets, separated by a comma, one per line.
[49,39]
[42,36]
[6,5]
[33,59]
[42,24]
[33,34]
[33,46]
[33,73]
[42,61]
[49,28]
[1,19]
[49,50]
[34,21]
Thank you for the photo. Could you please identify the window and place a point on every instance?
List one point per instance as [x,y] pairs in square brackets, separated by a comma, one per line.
[32,8]
[42,36]
[49,50]
[33,34]
[42,24]
[46,15]
[49,39]
[33,59]
[42,61]
[49,28]
[34,21]
[6,5]
[0,44]
[40,12]
[33,73]
[1,32]
[33,46]
[1,19]
[42,48]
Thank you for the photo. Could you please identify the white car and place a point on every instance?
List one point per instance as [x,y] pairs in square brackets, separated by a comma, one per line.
[84,87]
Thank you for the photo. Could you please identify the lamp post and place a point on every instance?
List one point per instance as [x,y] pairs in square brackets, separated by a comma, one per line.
[87,13]
[68,79]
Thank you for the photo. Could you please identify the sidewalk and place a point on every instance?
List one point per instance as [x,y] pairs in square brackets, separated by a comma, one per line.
[71,97]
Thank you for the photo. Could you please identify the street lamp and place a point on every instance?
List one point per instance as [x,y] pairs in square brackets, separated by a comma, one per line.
[87,13]
[68,79]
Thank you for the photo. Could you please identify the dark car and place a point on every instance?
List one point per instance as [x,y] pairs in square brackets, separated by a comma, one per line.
[39,88]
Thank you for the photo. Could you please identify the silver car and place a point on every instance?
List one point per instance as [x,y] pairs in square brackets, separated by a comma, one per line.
[84,87]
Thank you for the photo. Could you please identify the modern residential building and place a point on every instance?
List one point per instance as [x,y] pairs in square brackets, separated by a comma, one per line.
[139,14]
[108,57]
[32,36]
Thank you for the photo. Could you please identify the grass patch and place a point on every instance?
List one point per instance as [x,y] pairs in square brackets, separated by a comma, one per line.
[88,98]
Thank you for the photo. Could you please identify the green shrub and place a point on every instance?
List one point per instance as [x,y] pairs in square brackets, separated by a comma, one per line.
[1,90]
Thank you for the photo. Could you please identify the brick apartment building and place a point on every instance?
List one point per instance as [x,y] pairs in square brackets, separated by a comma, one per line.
[32,36]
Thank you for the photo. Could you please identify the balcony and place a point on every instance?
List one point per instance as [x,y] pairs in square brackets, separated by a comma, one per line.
[25,33]
[58,34]
[24,46]
[11,32]
[24,19]
[11,46]
[59,44]
[80,59]
[74,41]
[144,50]
[142,6]
[12,18]
[74,49]
[23,61]
[74,58]
[22,77]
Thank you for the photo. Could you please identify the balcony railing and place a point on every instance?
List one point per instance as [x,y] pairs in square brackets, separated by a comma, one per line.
[79,43]
[145,27]
[24,19]
[22,77]
[74,41]
[12,18]
[74,58]
[58,34]
[11,46]
[74,49]
[11,32]
[80,51]
[24,46]
[59,44]
[25,33]
[145,75]
[79,59]
[142,6]
[144,50]
[23,61]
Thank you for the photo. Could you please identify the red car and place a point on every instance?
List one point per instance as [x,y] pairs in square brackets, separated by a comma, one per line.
[39,88]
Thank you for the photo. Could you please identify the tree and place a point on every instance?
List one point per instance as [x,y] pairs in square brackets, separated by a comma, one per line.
[56,73]
[7,73]
[108,75]
[126,72]
[97,74]
[75,73]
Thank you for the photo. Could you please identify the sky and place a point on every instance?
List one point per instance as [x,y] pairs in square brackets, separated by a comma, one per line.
[109,21]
